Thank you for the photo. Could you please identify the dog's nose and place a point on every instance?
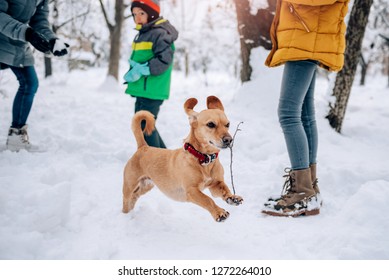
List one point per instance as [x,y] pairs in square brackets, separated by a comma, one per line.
[227,140]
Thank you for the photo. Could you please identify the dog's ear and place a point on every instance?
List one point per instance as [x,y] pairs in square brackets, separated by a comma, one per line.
[188,106]
[214,103]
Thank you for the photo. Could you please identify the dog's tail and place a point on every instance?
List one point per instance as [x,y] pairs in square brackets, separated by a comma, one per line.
[137,120]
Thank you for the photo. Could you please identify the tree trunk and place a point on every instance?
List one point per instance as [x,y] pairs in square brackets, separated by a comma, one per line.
[344,79]
[54,27]
[364,67]
[115,39]
[254,31]
[115,31]
[48,66]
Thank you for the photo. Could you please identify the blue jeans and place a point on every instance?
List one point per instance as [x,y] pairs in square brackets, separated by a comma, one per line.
[152,106]
[296,112]
[28,86]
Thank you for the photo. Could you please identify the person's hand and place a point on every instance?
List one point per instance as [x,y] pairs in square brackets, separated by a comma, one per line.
[143,68]
[37,40]
[131,76]
[136,71]
[58,47]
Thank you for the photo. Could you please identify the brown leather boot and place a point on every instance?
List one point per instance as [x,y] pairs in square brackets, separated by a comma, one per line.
[298,199]
[313,178]
[315,184]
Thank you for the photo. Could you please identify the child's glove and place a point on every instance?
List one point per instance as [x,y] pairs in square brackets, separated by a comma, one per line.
[136,71]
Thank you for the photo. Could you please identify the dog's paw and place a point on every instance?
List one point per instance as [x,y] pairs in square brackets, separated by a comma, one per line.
[234,200]
[221,217]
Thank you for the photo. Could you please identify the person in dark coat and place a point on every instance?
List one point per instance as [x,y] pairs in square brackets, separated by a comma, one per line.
[24,23]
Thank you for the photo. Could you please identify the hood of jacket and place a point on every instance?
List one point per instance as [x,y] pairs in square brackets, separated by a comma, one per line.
[171,31]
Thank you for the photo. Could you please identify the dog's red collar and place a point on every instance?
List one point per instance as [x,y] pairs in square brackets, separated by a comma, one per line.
[204,159]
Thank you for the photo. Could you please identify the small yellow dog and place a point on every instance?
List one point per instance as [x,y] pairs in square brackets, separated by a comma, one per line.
[184,173]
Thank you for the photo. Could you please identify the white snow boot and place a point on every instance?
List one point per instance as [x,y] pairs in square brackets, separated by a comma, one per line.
[18,140]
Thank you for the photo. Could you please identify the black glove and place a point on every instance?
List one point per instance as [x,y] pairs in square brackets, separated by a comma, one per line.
[37,40]
[58,47]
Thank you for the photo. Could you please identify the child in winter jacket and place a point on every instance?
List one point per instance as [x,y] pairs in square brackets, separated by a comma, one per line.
[151,61]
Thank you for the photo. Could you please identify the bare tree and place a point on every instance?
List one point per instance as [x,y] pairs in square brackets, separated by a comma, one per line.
[386,58]
[383,14]
[254,31]
[56,25]
[374,45]
[47,58]
[344,79]
[115,31]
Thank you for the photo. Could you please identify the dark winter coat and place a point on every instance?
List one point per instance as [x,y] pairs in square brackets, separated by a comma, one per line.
[15,17]
[154,44]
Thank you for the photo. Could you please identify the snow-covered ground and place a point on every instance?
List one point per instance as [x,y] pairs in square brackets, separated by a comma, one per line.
[66,203]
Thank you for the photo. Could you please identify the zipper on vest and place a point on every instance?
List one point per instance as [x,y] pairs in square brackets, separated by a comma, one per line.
[294,12]
[145,83]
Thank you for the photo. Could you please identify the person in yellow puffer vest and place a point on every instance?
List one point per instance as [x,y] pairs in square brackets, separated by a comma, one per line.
[305,34]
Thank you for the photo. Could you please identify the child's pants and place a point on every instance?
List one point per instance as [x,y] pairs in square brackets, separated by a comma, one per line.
[152,106]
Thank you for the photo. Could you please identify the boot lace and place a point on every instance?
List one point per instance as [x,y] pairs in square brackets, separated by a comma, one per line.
[24,136]
[287,189]
[315,183]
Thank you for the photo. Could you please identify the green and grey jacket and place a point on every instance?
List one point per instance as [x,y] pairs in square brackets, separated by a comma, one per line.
[154,44]
[15,17]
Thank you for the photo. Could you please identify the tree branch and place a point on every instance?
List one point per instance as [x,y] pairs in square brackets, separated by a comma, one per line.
[109,24]
[232,144]
[71,19]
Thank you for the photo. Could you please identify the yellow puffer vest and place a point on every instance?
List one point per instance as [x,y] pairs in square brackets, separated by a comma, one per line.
[309,29]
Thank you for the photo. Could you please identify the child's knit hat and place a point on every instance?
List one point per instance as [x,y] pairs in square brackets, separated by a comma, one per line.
[151,7]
